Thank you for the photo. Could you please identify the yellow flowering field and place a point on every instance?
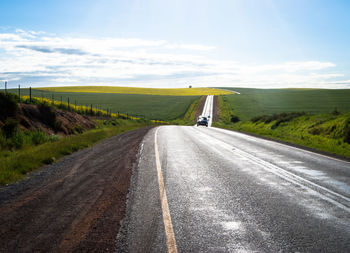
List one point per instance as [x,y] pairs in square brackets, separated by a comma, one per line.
[143,91]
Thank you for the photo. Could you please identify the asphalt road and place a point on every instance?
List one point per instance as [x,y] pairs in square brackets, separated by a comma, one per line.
[215,190]
[208,109]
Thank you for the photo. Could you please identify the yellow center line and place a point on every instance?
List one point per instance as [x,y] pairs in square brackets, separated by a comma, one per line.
[169,231]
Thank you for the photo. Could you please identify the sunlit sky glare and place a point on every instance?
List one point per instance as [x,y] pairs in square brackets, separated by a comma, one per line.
[176,43]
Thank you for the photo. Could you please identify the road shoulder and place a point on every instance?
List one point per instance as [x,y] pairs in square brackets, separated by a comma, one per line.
[74,205]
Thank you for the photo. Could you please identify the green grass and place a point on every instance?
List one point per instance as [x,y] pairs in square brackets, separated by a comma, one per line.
[142,91]
[24,138]
[16,164]
[270,113]
[189,117]
[165,108]
[225,110]
[255,102]
[324,132]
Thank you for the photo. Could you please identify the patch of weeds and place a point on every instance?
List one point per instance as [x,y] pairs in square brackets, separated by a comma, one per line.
[18,139]
[39,137]
[78,129]
[331,129]
[262,118]
[315,131]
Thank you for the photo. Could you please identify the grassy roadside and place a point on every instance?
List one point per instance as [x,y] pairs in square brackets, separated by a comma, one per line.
[188,118]
[324,132]
[225,110]
[16,164]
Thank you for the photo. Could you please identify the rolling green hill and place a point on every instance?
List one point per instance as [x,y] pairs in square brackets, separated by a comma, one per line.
[305,117]
[149,106]
[255,102]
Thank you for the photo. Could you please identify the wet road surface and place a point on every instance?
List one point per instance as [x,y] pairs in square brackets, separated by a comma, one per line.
[230,192]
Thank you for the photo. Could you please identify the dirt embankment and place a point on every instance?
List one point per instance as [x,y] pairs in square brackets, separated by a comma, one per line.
[75,205]
[216,109]
[51,121]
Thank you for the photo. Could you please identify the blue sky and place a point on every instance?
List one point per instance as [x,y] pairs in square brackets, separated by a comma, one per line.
[167,43]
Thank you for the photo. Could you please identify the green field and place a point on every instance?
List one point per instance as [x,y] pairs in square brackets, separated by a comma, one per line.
[148,106]
[255,102]
[142,91]
[320,127]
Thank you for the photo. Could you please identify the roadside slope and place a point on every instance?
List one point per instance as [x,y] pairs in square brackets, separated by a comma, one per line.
[73,205]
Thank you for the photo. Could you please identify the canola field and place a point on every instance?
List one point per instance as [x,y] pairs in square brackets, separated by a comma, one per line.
[141,91]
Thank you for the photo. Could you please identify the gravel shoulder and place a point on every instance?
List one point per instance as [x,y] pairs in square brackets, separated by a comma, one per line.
[74,205]
[216,109]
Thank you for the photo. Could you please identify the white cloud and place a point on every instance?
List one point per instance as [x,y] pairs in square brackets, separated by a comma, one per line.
[190,47]
[10,37]
[341,82]
[43,59]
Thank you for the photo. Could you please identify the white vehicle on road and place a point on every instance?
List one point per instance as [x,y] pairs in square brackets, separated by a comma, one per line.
[202,121]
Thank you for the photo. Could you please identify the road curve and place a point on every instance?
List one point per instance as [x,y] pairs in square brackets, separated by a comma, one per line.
[230,192]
